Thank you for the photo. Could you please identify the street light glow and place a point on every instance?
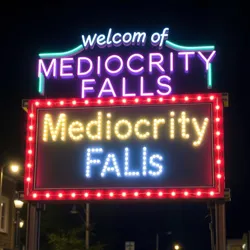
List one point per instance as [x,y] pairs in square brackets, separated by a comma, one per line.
[14,168]
[176,247]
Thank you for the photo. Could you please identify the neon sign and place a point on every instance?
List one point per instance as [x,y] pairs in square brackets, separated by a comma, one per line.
[159,147]
[152,70]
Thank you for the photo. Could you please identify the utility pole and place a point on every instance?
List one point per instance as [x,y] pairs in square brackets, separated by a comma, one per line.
[87,227]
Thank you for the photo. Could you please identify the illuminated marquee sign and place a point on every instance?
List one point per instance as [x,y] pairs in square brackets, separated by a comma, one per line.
[133,148]
[126,65]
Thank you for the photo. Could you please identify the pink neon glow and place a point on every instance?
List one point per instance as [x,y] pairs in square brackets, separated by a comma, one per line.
[104,91]
[85,88]
[205,60]
[157,64]
[131,59]
[186,55]
[124,88]
[111,59]
[64,67]
[87,72]
[47,72]
[98,66]
[164,86]
[171,62]
[142,93]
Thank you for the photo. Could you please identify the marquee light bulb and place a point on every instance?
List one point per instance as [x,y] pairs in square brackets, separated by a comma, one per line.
[124,100]
[28,179]
[199,193]
[29,165]
[211,97]
[136,194]
[111,101]
[173,99]
[218,147]
[111,194]
[37,103]
[219,176]
[61,102]
[86,102]
[74,102]
[30,138]
[148,193]
[30,127]
[60,195]
[124,194]
[217,133]
[173,193]
[73,195]
[34,195]
[186,98]
[199,98]
[160,193]
[217,119]
[218,161]
[148,99]
[86,195]
[160,99]
[47,195]
[212,193]
[186,193]
[99,101]
[217,107]
[31,115]
[98,194]
[136,100]
[48,103]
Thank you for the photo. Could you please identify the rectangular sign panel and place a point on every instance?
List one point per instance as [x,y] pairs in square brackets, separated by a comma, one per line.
[133,148]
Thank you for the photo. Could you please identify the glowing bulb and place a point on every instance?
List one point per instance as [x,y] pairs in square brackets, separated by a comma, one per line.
[199,193]
[219,176]
[74,102]
[34,195]
[61,102]
[173,193]
[124,194]
[86,194]
[60,195]
[111,194]
[211,97]
[160,99]
[186,193]
[199,98]
[73,195]
[186,98]
[37,103]
[148,193]
[136,194]
[173,99]
[212,193]
[47,195]
[124,100]
[148,99]
[160,193]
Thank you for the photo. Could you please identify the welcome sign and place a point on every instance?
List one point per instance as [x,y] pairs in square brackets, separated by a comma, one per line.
[125,65]
[125,148]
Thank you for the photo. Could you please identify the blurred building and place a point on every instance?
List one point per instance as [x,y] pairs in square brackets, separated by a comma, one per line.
[7,214]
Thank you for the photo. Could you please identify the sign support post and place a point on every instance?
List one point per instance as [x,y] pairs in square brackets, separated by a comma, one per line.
[220,217]
[33,227]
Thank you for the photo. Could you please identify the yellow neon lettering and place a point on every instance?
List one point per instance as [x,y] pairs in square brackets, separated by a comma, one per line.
[172,125]
[200,131]
[183,121]
[127,134]
[54,132]
[138,124]
[156,123]
[76,131]
[97,134]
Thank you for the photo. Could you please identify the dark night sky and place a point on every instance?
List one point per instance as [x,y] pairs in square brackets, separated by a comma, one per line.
[26,31]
